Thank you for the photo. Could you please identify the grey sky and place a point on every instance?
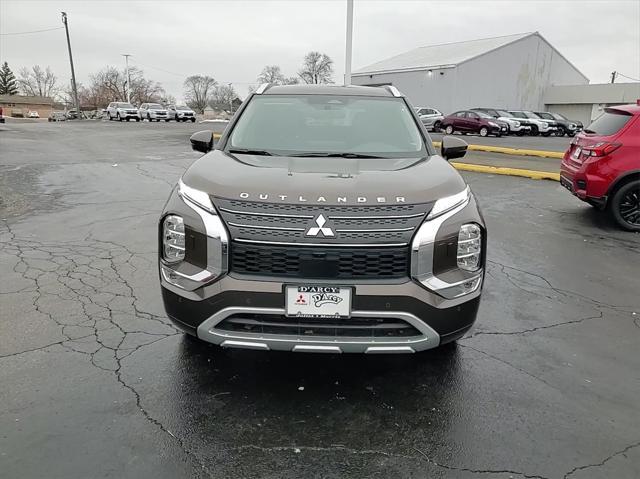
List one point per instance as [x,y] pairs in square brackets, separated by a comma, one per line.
[232,41]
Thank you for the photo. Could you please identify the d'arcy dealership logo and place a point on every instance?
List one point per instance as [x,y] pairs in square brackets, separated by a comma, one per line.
[321,295]
[320,229]
[322,199]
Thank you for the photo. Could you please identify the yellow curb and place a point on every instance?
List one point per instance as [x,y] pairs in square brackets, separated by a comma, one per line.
[535,175]
[511,151]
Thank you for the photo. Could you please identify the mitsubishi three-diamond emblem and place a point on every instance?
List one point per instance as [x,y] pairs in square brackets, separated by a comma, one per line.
[316,230]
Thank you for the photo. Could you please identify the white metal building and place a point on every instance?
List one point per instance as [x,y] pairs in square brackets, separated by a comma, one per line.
[587,102]
[502,72]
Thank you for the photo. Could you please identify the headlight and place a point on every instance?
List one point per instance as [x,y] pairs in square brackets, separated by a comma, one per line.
[173,239]
[493,124]
[469,247]
[448,203]
[516,124]
[200,198]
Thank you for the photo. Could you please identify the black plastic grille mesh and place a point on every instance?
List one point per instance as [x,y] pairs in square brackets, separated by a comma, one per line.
[319,263]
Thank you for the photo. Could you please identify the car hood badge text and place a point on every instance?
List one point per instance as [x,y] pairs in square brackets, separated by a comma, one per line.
[320,228]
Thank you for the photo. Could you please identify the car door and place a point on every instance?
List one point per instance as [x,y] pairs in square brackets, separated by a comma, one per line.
[473,121]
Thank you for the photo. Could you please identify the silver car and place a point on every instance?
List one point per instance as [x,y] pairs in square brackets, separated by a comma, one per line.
[122,111]
[181,113]
[430,117]
[153,111]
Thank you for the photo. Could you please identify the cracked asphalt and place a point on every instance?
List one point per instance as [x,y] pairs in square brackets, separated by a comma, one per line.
[97,383]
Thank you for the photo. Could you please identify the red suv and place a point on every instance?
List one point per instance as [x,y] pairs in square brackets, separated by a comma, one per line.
[602,164]
[466,121]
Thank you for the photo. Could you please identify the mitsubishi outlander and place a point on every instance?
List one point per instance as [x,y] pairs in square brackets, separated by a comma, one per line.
[323,220]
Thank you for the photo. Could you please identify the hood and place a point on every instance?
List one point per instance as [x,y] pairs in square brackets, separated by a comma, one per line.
[324,181]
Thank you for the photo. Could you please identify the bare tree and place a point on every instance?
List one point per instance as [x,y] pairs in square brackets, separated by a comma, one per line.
[198,90]
[38,82]
[272,74]
[223,97]
[317,68]
[109,84]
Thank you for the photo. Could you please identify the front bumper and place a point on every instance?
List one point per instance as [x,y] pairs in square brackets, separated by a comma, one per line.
[398,315]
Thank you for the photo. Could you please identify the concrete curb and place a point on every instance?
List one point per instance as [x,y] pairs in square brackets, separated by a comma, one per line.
[494,170]
[511,151]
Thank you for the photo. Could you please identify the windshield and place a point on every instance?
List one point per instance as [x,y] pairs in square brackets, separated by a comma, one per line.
[530,114]
[328,124]
[558,116]
[546,116]
[124,105]
[182,107]
[506,114]
[155,106]
[483,115]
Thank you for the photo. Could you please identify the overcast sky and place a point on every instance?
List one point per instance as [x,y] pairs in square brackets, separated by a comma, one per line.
[233,40]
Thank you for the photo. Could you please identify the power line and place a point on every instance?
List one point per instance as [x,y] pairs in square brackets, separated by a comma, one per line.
[625,76]
[32,31]
[182,75]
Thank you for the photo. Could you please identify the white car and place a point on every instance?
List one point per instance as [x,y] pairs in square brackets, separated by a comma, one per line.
[516,126]
[122,111]
[153,111]
[181,113]
[538,125]
[33,114]
[430,117]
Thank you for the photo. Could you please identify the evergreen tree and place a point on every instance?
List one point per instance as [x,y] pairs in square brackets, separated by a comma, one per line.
[8,83]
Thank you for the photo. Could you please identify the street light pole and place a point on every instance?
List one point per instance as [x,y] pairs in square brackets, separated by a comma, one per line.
[126,60]
[349,43]
[73,73]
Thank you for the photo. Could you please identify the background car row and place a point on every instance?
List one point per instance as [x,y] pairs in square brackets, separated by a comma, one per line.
[123,111]
[498,122]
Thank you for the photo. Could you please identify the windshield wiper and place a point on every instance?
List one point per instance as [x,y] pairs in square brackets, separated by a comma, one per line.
[587,130]
[248,151]
[336,155]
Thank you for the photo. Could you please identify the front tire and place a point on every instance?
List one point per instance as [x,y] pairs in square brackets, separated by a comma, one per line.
[625,206]
[561,132]
[193,120]
[449,130]
[484,131]
[118,117]
[535,131]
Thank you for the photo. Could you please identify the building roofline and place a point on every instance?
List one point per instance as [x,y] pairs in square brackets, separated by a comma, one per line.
[403,70]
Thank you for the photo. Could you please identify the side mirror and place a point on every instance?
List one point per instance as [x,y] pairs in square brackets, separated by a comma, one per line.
[202,141]
[452,148]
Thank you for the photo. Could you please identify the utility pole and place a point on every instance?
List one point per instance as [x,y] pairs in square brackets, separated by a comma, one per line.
[73,73]
[126,60]
[230,99]
[613,76]
[349,43]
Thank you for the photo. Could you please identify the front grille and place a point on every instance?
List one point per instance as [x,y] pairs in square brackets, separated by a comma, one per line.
[353,327]
[350,224]
[315,262]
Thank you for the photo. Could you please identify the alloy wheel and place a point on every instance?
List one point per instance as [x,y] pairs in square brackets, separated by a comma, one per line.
[630,207]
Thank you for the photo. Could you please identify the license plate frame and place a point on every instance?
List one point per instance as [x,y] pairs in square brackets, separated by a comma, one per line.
[315,301]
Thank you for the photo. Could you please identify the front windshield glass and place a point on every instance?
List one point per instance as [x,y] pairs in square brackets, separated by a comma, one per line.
[506,114]
[125,105]
[558,116]
[483,115]
[328,124]
[155,106]
[531,115]
[546,116]
[182,107]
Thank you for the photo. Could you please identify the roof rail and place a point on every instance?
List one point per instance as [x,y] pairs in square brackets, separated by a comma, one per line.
[262,88]
[393,90]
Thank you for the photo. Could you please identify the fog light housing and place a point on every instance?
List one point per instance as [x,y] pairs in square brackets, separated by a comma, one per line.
[173,239]
[469,247]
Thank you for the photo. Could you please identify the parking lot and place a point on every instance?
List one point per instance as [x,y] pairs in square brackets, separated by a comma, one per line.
[96,382]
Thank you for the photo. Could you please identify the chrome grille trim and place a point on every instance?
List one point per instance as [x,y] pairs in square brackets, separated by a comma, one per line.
[276,215]
[380,230]
[284,243]
[390,217]
[274,228]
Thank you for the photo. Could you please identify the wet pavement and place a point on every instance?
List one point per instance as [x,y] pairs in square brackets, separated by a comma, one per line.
[97,383]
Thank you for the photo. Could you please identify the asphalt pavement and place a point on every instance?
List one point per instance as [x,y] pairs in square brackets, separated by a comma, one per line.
[97,383]
[550,143]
